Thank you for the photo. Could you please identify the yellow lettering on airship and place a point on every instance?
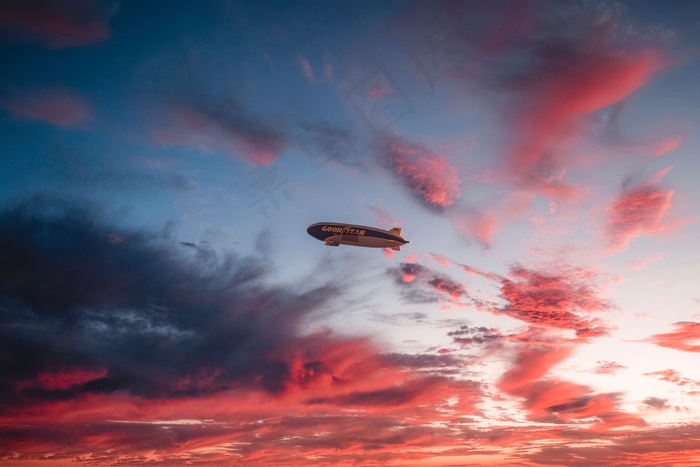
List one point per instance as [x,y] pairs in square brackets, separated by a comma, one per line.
[342,230]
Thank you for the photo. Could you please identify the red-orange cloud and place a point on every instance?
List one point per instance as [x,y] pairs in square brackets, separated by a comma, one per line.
[555,401]
[686,337]
[556,297]
[337,400]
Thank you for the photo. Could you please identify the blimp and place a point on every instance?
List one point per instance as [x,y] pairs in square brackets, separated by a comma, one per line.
[336,234]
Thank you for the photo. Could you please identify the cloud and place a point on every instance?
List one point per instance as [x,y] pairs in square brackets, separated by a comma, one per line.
[409,395]
[576,66]
[197,100]
[77,170]
[565,85]
[656,403]
[645,261]
[554,65]
[553,295]
[666,445]
[555,401]
[58,24]
[420,284]
[484,224]
[323,142]
[57,106]
[431,178]
[182,329]
[532,364]
[224,127]
[639,210]
[605,367]
[432,363]
[559,296]
[384,218]
[652,147]
[675,377]
[115,350]
[682,338]
[476,336]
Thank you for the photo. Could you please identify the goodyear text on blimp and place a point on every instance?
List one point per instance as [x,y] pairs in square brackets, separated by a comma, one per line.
[342,230]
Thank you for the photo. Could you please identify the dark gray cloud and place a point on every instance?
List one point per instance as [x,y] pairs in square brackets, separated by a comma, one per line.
[88,307]
[466,336]
[423,361]
[656,403]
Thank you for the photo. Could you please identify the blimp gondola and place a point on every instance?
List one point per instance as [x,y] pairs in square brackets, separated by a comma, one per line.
[336,234]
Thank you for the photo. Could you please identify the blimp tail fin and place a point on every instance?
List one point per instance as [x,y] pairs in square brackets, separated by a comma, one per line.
[396,248]
[396,230]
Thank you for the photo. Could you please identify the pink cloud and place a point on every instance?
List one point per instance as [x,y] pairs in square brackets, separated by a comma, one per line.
[58,106]
[550,115]
[57,24]
[429,176]
[553,295]
[608,368]
[442,260]
[531,364]
[479,225]
[558,297]
[484,224]
[645,261]
[639,210]
[663,147]
[675,377]
[686,337]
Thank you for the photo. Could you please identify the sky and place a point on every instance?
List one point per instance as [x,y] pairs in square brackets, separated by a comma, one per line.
[161,302]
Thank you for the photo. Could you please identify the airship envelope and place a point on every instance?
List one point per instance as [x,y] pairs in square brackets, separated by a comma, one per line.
[335,234]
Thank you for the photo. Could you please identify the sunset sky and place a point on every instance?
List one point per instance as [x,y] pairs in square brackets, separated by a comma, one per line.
[162,303]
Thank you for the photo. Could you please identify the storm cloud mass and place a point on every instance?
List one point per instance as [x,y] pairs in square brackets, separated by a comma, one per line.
[107,310]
